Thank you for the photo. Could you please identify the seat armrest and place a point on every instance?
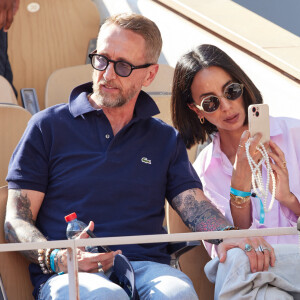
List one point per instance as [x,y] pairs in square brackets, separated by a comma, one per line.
[176,249]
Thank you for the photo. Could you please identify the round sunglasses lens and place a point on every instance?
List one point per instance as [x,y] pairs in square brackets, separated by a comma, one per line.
[99,62]
[233,91]
[210,103]
[122,68]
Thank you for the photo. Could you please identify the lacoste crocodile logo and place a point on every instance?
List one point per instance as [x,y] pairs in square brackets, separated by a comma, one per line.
[145,160]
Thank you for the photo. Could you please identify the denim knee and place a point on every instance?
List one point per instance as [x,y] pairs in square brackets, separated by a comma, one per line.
[91,287]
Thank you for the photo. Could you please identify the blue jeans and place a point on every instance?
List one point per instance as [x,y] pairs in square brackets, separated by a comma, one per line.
[153,281]
[234,280]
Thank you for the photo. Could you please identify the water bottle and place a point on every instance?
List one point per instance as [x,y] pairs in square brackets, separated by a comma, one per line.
[74,228]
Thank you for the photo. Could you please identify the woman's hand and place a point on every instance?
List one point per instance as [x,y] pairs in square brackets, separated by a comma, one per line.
[241,174]
[281,174]
[261,254]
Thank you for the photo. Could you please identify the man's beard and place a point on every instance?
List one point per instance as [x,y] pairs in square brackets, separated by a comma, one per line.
[112,101]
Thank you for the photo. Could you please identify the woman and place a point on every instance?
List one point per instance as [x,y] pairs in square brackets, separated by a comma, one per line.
[210,99]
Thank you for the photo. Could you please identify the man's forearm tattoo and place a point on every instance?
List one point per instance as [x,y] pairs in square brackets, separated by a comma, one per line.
[199,215]
[23,207]
[21,229]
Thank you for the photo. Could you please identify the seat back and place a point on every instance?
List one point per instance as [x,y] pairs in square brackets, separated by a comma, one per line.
[13,121]
[49,35]
[62,81]
[162,82]
[7,94]
[13,266]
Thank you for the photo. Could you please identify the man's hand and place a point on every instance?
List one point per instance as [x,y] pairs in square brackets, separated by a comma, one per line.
[87,262]
[8,9]
[259,260]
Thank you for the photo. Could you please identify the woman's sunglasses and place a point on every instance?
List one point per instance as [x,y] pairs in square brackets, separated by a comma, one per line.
[211,103]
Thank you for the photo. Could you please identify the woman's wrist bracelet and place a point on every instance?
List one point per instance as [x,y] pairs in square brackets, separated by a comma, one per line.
[239,200]
[243,205]
[239,193]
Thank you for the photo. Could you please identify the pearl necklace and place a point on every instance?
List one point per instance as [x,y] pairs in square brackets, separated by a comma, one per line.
[257,181]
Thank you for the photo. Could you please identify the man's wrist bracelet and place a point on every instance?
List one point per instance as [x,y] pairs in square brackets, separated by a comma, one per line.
[219,241]
[52,258]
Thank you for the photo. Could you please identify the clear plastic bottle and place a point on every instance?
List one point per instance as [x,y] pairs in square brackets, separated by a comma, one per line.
[74,228]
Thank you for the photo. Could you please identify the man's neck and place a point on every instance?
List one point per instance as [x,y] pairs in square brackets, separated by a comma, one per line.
[118,117]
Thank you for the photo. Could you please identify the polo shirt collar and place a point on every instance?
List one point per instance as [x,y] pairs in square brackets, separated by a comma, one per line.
[145,106]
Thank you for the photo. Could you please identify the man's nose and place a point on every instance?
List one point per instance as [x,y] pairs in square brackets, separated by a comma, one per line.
[109,72]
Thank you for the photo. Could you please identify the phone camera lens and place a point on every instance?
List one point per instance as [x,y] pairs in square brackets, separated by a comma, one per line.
[257,113]
[253,109]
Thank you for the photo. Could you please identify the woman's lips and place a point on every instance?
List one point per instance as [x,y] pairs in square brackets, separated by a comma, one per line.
[232,119]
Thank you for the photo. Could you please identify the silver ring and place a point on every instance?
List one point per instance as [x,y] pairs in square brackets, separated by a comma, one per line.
[100,267]
[248,248]
[266,248]
[260,249]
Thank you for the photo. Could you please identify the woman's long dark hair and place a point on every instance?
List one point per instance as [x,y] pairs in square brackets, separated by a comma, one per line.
[184,119]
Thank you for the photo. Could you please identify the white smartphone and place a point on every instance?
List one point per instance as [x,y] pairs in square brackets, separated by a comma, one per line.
[258,120]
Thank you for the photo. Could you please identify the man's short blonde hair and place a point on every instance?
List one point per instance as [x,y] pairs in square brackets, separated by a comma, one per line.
[142,26]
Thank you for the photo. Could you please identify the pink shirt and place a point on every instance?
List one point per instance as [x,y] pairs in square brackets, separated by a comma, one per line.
[215,169]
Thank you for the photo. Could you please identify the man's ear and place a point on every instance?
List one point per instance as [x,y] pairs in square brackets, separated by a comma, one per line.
[152,71]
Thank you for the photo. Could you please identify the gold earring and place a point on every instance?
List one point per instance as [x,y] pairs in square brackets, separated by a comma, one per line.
[202,120]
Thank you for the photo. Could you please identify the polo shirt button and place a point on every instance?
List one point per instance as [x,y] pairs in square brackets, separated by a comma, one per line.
[107,136]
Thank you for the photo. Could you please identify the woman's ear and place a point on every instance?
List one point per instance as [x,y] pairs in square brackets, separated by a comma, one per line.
[195,109]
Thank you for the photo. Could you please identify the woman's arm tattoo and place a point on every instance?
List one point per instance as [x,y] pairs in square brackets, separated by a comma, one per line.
[198,214]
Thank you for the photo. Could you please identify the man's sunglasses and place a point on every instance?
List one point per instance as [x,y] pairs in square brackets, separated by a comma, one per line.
[211,103]
[122,68]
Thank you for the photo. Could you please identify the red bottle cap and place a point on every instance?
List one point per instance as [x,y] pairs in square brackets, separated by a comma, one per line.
[71,217]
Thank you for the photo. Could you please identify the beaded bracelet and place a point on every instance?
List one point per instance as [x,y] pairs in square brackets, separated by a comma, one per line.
[41,259]
[47,260]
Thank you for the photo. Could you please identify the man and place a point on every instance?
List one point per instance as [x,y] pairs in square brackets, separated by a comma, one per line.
[104,156]
[8,9]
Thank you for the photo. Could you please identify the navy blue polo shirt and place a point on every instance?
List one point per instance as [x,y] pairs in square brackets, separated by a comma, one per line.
[70,153]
